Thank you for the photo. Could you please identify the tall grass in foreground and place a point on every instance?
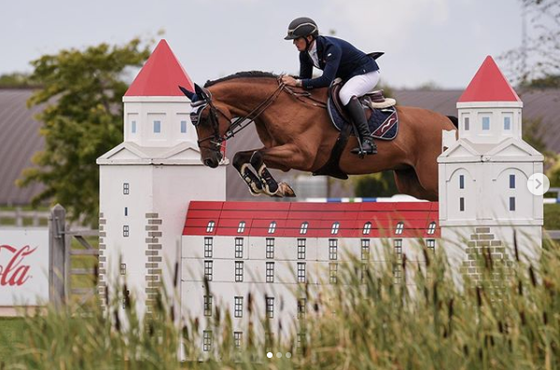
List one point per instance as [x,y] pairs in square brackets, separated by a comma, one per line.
[509,320]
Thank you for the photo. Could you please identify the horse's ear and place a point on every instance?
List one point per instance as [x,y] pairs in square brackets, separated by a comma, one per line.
[200,92]
[188,94]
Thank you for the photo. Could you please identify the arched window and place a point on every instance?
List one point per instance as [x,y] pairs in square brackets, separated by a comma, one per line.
[367,228]
[400,228]
[241,227]
[335,227]
[432,228]
[272,227]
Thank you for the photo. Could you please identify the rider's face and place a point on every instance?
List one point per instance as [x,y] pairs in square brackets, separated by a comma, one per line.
[300,43]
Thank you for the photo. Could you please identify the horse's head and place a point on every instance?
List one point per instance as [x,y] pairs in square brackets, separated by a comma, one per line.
[211,121]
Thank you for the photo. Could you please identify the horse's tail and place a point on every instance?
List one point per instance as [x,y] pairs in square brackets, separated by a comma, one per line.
[455,121]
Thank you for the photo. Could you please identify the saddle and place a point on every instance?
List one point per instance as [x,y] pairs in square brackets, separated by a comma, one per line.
[382,117]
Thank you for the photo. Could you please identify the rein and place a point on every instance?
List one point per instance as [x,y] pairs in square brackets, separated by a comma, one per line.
[238,124]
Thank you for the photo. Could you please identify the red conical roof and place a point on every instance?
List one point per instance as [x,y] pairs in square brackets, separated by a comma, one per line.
[489,84]
[160,75]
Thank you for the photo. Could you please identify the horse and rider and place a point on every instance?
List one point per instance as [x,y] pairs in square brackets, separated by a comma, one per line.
[337,58]
[295,124]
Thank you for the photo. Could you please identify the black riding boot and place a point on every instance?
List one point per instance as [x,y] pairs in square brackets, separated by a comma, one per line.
[359,117]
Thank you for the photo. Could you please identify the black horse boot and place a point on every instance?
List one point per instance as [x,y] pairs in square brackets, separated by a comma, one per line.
[354,107]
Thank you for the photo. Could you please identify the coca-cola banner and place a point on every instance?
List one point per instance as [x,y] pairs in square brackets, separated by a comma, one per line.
[24,266]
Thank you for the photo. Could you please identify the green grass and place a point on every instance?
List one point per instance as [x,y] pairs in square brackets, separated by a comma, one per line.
[11,333]
[508,320]
[552,216]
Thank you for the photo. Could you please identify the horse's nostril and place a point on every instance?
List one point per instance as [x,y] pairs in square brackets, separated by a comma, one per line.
[208,162]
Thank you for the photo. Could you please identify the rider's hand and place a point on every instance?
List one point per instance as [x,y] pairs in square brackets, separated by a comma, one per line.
[289,80]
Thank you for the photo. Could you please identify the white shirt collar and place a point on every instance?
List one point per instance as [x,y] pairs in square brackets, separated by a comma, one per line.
[313,54]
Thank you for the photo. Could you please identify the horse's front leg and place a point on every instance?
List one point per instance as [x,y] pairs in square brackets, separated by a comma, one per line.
[269,184]
[241,161]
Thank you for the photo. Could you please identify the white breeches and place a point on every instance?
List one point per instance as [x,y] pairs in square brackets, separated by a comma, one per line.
[358,86]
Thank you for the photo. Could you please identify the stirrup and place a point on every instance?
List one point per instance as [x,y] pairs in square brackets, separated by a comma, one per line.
[359,150]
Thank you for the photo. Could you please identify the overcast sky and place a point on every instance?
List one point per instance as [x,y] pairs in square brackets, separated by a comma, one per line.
[425,41]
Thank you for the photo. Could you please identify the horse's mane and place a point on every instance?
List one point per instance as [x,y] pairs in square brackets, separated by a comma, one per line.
[249,74]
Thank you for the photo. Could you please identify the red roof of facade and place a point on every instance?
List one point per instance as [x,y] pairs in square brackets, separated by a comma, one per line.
[489,84]
[161,75]
[320,217]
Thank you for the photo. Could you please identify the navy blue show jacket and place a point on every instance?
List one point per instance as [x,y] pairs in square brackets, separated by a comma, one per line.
[337,58]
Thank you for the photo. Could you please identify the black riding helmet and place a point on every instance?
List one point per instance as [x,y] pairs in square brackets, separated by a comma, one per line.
[302,27]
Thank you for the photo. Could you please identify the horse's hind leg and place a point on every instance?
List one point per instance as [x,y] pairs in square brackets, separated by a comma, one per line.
[241,162]
[408,183]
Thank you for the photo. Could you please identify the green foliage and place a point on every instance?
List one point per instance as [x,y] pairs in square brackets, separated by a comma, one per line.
[82,120]
[552,216]
[375,185]
[16,79]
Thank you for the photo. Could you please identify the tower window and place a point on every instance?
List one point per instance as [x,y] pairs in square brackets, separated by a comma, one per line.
[210,226]
[461,204]
[303,228]
[512,181]
[183,127]
[461,181]
[126,188]
[398,248]
[400,228]
[507,123]
[467,123]
[157,127]
[133,127]
[125,231]
[512,203]
[485,123]
[126,211]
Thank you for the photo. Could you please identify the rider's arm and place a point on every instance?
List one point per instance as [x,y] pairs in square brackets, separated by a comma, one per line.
[332,61]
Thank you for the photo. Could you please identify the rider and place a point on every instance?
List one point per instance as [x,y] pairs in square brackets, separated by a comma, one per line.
[337,58]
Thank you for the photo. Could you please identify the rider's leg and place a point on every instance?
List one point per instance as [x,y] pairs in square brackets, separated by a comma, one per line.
[354,107]
[355,87]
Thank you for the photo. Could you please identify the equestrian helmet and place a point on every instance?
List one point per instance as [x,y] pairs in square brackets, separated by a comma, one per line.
[302,27]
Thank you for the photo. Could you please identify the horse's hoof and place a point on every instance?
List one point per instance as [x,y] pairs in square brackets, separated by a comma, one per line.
[286,190]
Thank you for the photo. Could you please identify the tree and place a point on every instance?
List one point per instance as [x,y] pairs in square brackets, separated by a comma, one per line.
[381,184]
[16,79]
[81,121]
[538,58]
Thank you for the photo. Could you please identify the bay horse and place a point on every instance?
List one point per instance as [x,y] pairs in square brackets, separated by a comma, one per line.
[297,133]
